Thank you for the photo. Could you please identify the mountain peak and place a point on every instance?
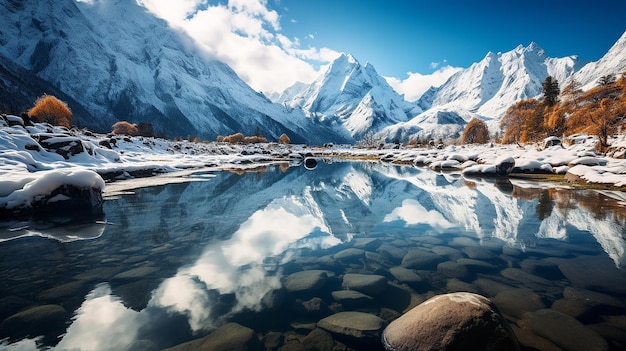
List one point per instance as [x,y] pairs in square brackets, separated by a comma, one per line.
[345,59]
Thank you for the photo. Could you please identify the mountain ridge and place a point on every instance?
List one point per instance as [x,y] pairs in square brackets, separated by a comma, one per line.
[141,70]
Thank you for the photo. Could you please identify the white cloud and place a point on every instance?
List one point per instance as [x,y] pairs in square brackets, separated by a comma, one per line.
[245,34]
[416,84]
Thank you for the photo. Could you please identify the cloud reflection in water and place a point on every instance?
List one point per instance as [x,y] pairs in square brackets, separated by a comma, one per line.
[237,266]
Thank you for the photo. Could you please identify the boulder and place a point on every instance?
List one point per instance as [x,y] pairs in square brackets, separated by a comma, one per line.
[455,321]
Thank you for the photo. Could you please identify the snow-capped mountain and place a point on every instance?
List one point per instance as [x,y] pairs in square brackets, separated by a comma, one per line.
[614,62]
[438,123]
[485,90]
[120,62]
[352,96]
[491,86]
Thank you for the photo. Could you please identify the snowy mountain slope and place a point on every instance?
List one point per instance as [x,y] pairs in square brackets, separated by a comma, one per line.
[499,80]
[140,70]
[353,96]
[433,124]
[614,62]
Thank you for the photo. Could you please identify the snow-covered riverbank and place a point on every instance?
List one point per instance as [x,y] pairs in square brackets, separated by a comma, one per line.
[37,160]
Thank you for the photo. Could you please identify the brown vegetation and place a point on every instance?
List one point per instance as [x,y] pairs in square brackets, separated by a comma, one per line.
[475,132]
[599,111]
[284,139]
[239,138]
[51,110]
[125,128]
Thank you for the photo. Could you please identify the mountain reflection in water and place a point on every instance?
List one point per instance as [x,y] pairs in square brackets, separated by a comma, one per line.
[176,261]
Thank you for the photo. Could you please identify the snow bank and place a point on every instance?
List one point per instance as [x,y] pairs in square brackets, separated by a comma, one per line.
[43,184]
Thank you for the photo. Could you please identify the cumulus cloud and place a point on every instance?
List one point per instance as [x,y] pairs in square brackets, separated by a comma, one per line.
[416,84]
[245,34]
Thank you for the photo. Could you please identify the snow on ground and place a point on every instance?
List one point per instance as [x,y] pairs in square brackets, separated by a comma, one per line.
[36,160]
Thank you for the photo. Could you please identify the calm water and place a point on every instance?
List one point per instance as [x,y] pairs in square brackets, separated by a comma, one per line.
[171,263]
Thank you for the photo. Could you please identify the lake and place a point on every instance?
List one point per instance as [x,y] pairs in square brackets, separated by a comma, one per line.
[169,264]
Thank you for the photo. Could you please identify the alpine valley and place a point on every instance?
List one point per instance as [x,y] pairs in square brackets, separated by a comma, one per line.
[113,60]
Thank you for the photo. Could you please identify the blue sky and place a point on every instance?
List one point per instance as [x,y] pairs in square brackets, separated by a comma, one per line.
[402,36]
[271,44]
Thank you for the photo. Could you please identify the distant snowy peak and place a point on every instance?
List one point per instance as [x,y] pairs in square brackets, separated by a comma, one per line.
[351,95]
[493,84]
[614,62]
[433,124]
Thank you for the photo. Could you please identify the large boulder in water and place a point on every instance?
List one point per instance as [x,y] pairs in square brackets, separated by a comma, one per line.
[456,321]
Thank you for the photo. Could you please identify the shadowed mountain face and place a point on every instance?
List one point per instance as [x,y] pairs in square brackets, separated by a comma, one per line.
[113,60]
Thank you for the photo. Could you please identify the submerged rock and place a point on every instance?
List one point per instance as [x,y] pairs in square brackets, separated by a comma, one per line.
[563,330]
[305,280]
[456,321]
[366,283]
[232,336]
[43,318]
[355,325]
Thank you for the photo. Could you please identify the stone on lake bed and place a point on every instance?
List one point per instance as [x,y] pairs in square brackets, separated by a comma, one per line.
[367,243]
[516,302]
[455,321]
[231,336]
[44,317]
[135,273]
[476,265]
[421,259]
[355,325]
[479,253]
[525,278]
[369,284]
[563,330]
[350,254]
[453,270]
[594,300]
[351,298]
[305,280]
[596,273]
[405,275]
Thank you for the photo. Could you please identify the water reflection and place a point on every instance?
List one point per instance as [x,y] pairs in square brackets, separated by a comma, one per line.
[62,228]
[185,258]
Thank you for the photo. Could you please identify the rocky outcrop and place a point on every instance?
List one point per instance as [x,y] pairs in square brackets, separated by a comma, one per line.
[456,321]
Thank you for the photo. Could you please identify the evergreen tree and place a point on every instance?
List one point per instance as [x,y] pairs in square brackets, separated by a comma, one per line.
[551,91]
